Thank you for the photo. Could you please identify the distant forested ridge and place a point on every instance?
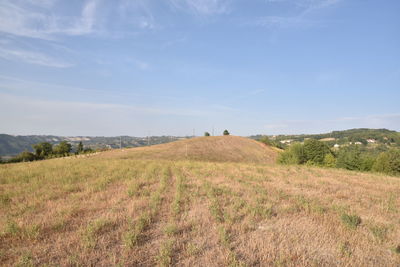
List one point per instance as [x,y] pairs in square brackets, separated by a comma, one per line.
[363,135]
[11,145]
[375,150]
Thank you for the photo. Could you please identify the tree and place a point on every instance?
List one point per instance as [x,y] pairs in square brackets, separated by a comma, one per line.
[349,158]
[388,162]
[315,151]
[293,155]
[226,132]
[63,148]
[43,149]
[80,148]
[88,150]
[26,156]
[330,160]
[265,140]
[206,134]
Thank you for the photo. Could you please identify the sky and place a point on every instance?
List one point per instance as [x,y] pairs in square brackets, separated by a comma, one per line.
[171,67]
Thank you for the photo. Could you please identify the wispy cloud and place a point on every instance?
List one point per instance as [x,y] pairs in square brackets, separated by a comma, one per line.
[32,58]
[284,22]
[85,24]
[203,7]
[38,20]
[301,19]
[139,14]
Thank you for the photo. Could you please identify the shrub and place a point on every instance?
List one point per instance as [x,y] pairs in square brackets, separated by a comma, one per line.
[366,162]
[226,132]
[23,156]
[206,134]
[293,155]
[330,160]
[62,148]
[349,158]
[265,140]
[388,162]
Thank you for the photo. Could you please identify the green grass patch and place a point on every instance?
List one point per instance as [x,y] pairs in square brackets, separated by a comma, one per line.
[379,232]
[351,220]
[164,257]
[93,230]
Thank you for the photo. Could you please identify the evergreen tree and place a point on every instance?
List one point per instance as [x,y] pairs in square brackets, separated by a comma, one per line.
[349,158]
[80,148]
[315,151]
[293,155]
[330,160]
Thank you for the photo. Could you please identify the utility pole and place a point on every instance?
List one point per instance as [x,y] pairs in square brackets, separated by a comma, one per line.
[213,130]
[148,139]
[120,142]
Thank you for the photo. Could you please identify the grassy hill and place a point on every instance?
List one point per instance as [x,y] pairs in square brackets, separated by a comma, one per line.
[144,207]
[212,148]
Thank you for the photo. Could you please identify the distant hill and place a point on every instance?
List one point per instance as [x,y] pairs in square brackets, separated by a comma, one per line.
[363,135]
[11,145]
[212,148]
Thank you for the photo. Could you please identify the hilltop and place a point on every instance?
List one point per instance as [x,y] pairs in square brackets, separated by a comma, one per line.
[212,148]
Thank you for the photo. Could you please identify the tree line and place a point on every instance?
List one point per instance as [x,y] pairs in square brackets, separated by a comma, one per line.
[45,150]
[352,157]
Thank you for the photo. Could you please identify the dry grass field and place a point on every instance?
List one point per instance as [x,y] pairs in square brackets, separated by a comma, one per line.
[225,204]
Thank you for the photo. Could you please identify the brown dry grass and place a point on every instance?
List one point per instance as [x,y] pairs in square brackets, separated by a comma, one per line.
[118,209]
[213,148]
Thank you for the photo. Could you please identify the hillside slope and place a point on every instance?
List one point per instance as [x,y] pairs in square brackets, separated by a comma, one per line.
[213,148]
[112,211]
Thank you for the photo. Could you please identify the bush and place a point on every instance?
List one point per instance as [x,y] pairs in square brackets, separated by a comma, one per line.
[388,162]
[349,158]
[293,155]
[206,134]
[226,132]
[23,156]
[330,160]
[265,140]
[62,148]
[366,162]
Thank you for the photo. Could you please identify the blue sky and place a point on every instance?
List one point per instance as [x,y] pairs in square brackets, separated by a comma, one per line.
[166,67]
